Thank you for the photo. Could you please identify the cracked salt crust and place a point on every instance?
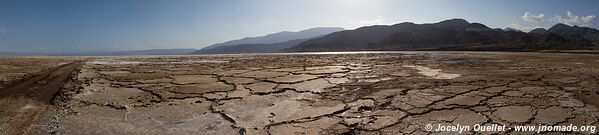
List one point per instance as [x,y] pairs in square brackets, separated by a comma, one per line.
[434,73]
[324,94]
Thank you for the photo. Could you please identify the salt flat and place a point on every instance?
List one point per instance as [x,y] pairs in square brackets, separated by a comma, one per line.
[321,93]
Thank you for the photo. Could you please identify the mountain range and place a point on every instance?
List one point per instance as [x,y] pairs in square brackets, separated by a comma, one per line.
[251,48]
[453,34]
[134,52]
[109,53]
[276,38]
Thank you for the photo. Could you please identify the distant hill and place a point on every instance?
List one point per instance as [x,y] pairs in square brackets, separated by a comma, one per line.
[279,37]
[18,53]
[251,48]
[454,34]
[136,52]
[108,53]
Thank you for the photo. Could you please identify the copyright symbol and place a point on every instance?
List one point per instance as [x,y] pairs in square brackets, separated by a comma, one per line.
[428,127]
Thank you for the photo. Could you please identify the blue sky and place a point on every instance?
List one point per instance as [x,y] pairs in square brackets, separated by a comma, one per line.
[108,25]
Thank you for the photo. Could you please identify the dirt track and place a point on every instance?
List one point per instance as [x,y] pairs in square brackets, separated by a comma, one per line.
[24,101]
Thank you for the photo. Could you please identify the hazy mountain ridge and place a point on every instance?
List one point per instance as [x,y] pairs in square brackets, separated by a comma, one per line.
[109,53]
[137,52]
[9,53]
[279,37]
[251,48]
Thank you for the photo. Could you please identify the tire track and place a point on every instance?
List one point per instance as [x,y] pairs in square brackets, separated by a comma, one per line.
[23,103]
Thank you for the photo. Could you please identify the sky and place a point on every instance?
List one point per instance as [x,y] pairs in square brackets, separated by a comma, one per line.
[57,26]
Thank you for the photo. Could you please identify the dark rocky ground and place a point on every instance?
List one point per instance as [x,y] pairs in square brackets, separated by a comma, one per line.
[370,93]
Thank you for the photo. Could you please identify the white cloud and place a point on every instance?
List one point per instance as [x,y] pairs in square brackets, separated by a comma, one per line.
[571,19]
[3,30]
[533,18]
[379,20]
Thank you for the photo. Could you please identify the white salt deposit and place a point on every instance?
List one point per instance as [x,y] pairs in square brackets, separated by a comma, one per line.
[434,73]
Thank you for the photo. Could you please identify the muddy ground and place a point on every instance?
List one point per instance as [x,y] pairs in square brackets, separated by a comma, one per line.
[371,93]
